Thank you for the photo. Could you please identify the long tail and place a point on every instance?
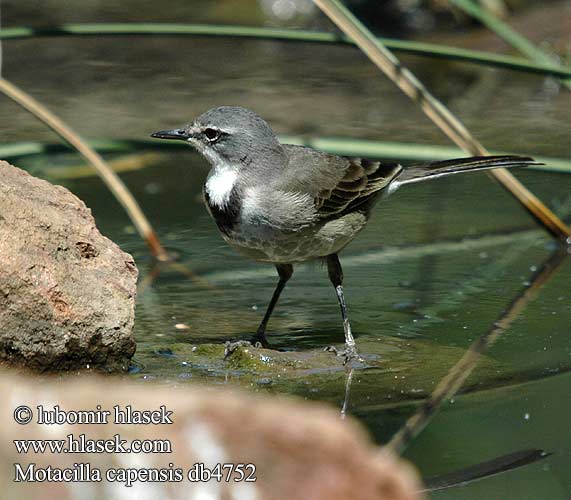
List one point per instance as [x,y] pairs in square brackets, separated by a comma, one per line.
[436,169]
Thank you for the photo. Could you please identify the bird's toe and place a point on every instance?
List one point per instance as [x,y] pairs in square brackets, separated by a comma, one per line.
[349,354]
[230,347]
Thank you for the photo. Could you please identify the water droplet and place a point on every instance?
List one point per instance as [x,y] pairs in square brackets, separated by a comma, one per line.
[153,188]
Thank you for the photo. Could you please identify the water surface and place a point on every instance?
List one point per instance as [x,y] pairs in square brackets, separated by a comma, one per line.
[437,265]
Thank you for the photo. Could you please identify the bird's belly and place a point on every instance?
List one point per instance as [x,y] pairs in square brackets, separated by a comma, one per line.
[269,244]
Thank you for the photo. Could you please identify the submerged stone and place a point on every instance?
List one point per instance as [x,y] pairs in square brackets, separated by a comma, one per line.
[403,370]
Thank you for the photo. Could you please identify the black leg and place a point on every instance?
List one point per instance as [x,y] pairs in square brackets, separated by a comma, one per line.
[285,272]
[336,277]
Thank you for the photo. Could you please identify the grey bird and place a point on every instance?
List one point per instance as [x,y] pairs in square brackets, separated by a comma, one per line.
[285,204]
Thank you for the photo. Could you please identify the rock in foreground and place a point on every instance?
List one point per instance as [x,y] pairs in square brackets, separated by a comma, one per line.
[299,450]
[67,293]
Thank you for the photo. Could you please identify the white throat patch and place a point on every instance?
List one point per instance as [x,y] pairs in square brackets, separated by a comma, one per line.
[220,184]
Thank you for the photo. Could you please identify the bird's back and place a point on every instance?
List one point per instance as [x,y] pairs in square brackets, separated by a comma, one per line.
[310,171]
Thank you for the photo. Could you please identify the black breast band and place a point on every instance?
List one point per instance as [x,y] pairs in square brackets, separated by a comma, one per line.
[227,217]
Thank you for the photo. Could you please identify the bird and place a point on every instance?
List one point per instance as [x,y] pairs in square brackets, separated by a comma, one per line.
[285,204]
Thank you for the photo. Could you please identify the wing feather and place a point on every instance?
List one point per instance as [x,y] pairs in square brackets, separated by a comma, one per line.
[363,179]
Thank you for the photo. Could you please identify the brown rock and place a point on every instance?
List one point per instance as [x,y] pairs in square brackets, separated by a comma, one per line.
[67,293]
[300,450]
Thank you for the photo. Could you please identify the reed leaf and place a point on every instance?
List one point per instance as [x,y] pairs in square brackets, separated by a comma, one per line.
[508,34]
[399,151]
[184,30]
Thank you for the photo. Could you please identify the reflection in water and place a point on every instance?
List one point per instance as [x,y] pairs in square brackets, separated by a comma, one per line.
[485,469]
[456,377]
[348,382]
[172,265]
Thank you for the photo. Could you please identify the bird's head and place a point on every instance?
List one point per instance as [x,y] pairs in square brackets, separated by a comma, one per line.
[230,135]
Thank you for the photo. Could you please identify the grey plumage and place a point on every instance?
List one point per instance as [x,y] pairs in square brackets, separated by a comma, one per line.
[284,204]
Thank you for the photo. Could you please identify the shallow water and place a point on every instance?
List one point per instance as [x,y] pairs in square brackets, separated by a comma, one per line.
[438,263]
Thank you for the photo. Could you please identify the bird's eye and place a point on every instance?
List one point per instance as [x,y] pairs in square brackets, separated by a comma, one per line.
[212,135]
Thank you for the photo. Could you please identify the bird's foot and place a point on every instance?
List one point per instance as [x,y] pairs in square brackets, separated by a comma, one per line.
[348,354]
[230,347]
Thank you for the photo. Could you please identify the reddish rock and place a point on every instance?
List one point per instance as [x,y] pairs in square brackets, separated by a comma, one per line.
[67,293]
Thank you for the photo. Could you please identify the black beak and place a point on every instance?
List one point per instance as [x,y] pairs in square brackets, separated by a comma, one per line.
[178,133]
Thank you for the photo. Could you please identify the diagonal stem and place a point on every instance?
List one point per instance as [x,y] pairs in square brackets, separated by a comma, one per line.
[109,177]
[385,60]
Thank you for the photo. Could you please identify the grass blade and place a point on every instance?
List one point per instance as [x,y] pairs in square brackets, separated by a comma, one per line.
[287,35]
[400,151]
[508,34]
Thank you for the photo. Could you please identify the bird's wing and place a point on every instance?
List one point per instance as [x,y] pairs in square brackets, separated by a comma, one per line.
[338,184]
[362,180]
